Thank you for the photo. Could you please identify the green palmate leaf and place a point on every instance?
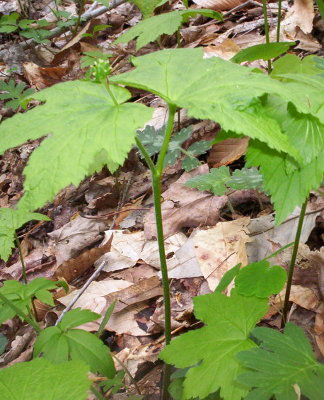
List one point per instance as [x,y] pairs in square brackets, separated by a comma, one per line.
[305,79]
[22,295]
[282,361]
[62,343]
[151,29]
[211,351]
[206,88]
[147,7]
[264,51]
[39,380]
[215,181]
[10,220]
[227,278]
[17,94]
[304,131]
[246,178]
[260,279]
[91,131]
[288,189]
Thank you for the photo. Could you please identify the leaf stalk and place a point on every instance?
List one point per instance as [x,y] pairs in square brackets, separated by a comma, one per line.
[292,263]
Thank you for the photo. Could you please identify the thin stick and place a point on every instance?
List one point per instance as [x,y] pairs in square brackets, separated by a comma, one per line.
[128,373]
[82,290]
[21,256]
[292,263]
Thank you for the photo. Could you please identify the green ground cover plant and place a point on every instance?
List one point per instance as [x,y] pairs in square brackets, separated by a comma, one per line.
[282,113]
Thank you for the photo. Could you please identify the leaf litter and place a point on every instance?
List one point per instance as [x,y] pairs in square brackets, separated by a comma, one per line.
[201,239]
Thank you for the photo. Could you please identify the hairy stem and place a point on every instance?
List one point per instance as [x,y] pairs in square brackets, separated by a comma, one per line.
[292,263]
[266,29]
[156,172]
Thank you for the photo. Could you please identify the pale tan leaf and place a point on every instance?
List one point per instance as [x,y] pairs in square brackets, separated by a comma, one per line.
[227,151]
[218,5]
[220,248]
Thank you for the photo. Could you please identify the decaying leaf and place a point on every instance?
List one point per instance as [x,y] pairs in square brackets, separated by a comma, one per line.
[218,5]
[75,267]
[185,207]
[129,248]
[221,248]
[73,237]
[227,151]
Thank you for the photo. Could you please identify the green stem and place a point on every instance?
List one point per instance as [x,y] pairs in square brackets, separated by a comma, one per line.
[279,21]
[292,263]
[145,154]
[21,256]
[20,313]
[96,392]
[156,172]
[266,29]
[107,86]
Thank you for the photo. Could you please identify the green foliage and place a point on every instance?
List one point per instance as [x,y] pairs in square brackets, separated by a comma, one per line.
[90,57]
[114,384]
[17,94]
[264,51]
[288,189]
[240,110]
[151,29]
[39,380]
[147,7]
[212,349]
[215,181]
[153,138]
[62,343]
[22,295]
[91,127]
[282,361]
[246,178]
[3,342]
[8,23]
[260,279]
[10,220]
[219,180]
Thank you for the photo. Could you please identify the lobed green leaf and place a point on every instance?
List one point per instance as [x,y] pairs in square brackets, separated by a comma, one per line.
[282,361]
[43,380]
[86,131]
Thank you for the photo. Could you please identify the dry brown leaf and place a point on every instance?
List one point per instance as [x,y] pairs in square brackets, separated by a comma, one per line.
[226,152]
[300,295]
[94,296]
[144,290]
[185,207]
[75,267]
[220,248]
[225,50]
[42,77]
[301,15]
[129,248]
[73,237]
[218,5]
